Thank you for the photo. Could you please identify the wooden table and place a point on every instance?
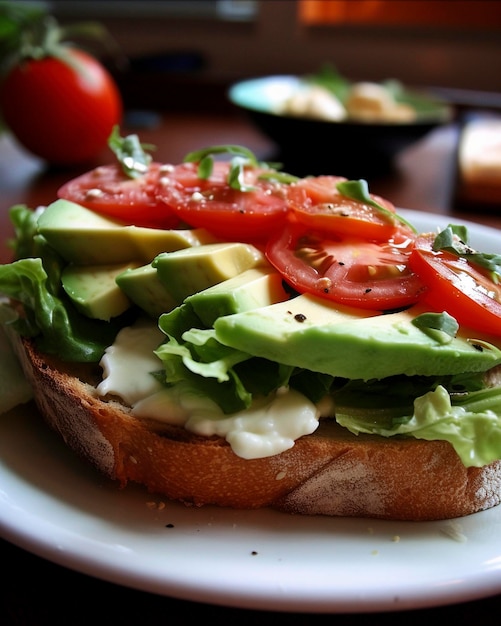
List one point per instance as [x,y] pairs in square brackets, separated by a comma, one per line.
[35,591]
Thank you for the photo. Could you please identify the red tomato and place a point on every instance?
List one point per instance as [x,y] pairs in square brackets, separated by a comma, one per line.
[107,190]
[457,286]
[348,270]
[317,204]
[61,112]
[228,213]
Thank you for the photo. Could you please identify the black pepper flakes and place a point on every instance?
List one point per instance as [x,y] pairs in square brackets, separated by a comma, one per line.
[299,317]
[169,525]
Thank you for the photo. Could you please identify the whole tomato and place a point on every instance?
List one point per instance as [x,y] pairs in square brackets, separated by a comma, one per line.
[59,101]
[61,109]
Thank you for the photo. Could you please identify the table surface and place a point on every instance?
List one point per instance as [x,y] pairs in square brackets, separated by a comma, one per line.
[32,592]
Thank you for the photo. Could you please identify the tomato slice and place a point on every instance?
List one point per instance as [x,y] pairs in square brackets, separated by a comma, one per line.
[318,204]
[455,285]
[229,213]
[348,270]
[108,191]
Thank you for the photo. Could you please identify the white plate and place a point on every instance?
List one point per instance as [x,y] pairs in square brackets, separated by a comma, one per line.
[57,507]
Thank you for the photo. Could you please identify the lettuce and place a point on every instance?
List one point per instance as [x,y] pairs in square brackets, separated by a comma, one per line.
[229,377]
[208,368]
[470,422]
[34,280]
[57,327]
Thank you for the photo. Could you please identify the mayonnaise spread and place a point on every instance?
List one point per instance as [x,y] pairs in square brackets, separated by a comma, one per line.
[270,426]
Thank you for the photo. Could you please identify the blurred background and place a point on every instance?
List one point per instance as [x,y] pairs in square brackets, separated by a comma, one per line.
[175,62]
[185,53]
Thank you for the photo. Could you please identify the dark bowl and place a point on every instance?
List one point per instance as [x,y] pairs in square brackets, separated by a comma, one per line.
[308,146]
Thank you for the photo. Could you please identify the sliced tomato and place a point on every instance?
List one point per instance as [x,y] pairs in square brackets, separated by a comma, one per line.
[229,213]
[349,270]
[455,285]
[108,191]
[318,204]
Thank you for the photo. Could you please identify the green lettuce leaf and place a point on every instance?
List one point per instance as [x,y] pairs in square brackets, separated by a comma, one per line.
[58,328]
[229,377]
[470,422]
[213,377]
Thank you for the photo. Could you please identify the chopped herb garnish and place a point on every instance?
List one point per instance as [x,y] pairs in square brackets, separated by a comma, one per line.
[205,167]
[279,177]
[199,155]
[236,176]
[454,239]
[243,157]
[442,322]
[131,153]
[359,190]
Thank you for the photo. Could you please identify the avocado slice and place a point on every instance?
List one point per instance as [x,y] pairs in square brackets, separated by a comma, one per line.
[94,291]
[144,288]
[87,238]
[317,335]
[253,289]
[188,271]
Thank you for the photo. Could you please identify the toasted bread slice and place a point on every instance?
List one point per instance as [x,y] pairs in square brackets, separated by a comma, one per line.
[331,472]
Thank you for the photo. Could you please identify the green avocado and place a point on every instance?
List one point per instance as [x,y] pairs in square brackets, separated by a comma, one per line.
[145,289]
[254,288]
[312,333]
[188,271]
[93,289]
[83,237]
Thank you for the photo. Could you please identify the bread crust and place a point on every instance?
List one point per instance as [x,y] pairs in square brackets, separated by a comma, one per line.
[331,472]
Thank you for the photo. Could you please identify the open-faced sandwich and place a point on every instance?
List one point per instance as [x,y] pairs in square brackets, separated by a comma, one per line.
[225,333]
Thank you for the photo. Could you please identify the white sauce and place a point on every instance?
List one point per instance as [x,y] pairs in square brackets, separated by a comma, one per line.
[128,363]
[268,427]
